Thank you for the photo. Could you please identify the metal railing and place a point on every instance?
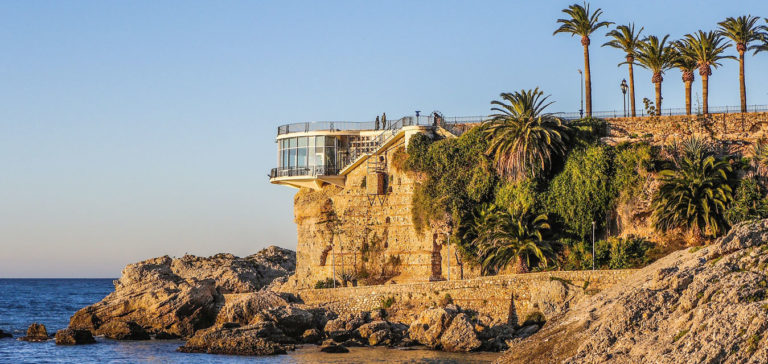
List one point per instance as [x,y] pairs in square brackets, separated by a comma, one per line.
[665,112]
[303,171]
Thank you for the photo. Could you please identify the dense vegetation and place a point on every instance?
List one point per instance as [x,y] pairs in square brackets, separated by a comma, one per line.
[546,220]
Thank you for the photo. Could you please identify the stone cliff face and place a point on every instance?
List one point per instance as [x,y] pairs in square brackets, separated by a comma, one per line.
[175,297]
[695,306]
[368,237]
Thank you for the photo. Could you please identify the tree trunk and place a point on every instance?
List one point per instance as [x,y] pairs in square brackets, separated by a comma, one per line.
[658,98]
[687,97]
[743,87]
[587,80]
[705,93]
[632,88]
[520,266]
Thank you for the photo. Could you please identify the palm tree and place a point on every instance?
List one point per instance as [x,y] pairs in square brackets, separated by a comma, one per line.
[499,238]
[764,37]
[583,23]
[523,138]
[657,56]
[685,61]
[708,49]
[625,39]
[694,192]
[742,31]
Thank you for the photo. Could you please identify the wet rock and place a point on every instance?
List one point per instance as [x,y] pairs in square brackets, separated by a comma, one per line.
[332,347]
[166,336]
[353,343]
[4,335]
[430,324]
[36,333]
[120,330]
[259,339]
[343,328]
[74,337]
[460,335]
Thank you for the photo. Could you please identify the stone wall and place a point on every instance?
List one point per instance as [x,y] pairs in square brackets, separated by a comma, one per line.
[346,231]
[730,129]
[505,298]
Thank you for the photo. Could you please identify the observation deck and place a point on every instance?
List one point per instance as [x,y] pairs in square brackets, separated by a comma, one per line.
[313,154]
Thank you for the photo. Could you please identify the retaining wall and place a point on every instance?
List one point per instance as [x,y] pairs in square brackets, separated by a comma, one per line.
[507,298]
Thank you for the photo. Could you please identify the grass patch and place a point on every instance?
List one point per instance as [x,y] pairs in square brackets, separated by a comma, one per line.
[387,302]
[694,249]
[679,335]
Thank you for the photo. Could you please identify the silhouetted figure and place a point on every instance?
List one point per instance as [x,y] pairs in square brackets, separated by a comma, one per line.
[377,123]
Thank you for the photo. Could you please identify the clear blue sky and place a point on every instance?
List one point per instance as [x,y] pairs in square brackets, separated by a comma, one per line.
[135,129]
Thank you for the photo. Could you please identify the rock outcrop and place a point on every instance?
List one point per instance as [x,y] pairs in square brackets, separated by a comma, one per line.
[175,297]
[4,335]
[36,333]
[259,339]
[696,306]
[74,337]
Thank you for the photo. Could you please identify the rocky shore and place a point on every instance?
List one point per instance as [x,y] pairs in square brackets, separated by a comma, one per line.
[229,305]
[698,305]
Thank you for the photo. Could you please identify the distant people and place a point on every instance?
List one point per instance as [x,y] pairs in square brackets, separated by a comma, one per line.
[384,121]
[377,123]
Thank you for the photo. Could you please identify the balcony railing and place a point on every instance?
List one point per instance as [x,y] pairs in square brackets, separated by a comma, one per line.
[303,171]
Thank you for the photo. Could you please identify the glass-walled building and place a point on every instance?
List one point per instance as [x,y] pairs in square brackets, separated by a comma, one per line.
[308,155]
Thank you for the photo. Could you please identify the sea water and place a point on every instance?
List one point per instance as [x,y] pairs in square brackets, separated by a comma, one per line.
[53,301]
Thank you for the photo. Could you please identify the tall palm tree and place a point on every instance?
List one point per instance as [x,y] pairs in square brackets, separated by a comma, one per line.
[685,61]
[764,37]
[500,238]
[708,48]
[625,39]
[582,22]
[523,138]
[694,192]
[742,31]
[657,56]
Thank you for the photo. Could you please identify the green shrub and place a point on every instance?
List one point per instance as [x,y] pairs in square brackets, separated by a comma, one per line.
[582,192]
[749,202]
[518,197]
[631,164]
[387,302]
[326,283]
[458,176]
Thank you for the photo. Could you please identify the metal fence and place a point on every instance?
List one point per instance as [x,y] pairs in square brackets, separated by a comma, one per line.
[426,120]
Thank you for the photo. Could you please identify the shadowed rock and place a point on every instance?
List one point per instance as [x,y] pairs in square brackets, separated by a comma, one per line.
[74,337]
[36,333]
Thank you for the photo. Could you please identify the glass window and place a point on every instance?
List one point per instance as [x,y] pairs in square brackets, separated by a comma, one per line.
[329,141]
[291,158]
[302,157]
[302,142]
[292,143]
[330,157]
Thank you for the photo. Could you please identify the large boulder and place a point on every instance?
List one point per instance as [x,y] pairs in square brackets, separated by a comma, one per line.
[259,339]
[430,324]
[333,348]
[343,327]
[291,319]
[176,297]
[36,333]
[460,335]
[697,305]
[74,337]
[368,329]
[242,308]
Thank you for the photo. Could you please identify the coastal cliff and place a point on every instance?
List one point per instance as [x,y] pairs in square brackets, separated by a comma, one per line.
[696,306]
[169,297]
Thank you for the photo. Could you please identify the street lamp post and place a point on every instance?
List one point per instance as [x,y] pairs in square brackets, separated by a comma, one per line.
[581,83]
[593,244]
[624,88]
